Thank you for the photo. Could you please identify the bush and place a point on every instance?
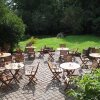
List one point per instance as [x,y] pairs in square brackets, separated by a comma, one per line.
[88,87]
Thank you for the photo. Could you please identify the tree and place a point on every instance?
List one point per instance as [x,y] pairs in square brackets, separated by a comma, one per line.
[53,16]
[11,26]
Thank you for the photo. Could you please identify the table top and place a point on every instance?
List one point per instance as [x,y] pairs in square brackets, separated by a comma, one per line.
[62,48]
[2,69]
[30,47]
[14,66]
[70,65]
[96,55]
[5,54]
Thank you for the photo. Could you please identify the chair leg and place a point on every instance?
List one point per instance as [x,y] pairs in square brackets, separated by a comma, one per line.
[31,79]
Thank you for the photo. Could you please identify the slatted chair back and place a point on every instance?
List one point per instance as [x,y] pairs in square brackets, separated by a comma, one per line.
[36,69]
[5,79]
[50,66]
[2,63]
[62,45]
[19,57]
[94,64]
[8,59]
[30,50]
[97,50]
[92,50]
[29,44]
[68,58]
[63,52]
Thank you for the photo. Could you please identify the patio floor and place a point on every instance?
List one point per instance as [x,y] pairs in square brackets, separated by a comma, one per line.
[45,89]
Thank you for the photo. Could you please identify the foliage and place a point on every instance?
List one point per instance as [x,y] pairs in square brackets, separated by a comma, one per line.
[72,18]
[53,16]
[11,26]
[88,87]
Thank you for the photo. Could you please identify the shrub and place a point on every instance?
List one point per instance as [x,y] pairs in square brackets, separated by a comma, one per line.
[88,87]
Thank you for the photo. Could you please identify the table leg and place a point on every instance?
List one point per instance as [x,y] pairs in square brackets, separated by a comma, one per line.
[15,75]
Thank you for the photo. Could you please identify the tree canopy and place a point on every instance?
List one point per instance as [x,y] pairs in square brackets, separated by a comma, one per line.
[11,26]
[53,16]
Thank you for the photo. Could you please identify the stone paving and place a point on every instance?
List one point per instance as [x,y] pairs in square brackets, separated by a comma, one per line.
[45,89]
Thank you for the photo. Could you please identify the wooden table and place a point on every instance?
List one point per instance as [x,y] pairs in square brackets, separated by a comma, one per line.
[70,67]
[30,47]
[95,55]
[16,67]
[63,49]
[2,55]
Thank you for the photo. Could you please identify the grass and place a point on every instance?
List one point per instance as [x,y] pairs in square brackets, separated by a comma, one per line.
[72,42]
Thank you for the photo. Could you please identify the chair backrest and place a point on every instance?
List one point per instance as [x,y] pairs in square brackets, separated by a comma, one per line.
[36,69]
[94,64]
[63,52]
[50,66]
[62,45]
[8,59]
[30,50]
[29,44]
[68,58]
[97,50]
[85,52]
[92,49]
[19,57]
[2,64]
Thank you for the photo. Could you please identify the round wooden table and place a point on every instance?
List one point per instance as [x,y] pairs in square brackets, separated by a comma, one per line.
[62,48]
[30,47]
[70,67]
[95,55]
[2,55]
[16,67]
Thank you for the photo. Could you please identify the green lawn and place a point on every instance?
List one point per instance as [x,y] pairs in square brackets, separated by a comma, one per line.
[72,42]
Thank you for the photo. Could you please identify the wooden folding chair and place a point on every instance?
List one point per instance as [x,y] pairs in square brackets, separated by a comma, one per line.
[62,53]
[41,53]
[51,58]
[55,71]
[8,59]
[5,79]
[62,45]
[84,61]
[32,74]
[94,64]
[84,58]
[31,53]
[19,57]
[68,58]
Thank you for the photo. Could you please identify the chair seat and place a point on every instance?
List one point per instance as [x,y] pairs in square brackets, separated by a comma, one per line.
[29,72]
[7,78]
[86,59]
[86,71]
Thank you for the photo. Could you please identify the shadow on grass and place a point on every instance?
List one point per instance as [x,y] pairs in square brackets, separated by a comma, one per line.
[82,38]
